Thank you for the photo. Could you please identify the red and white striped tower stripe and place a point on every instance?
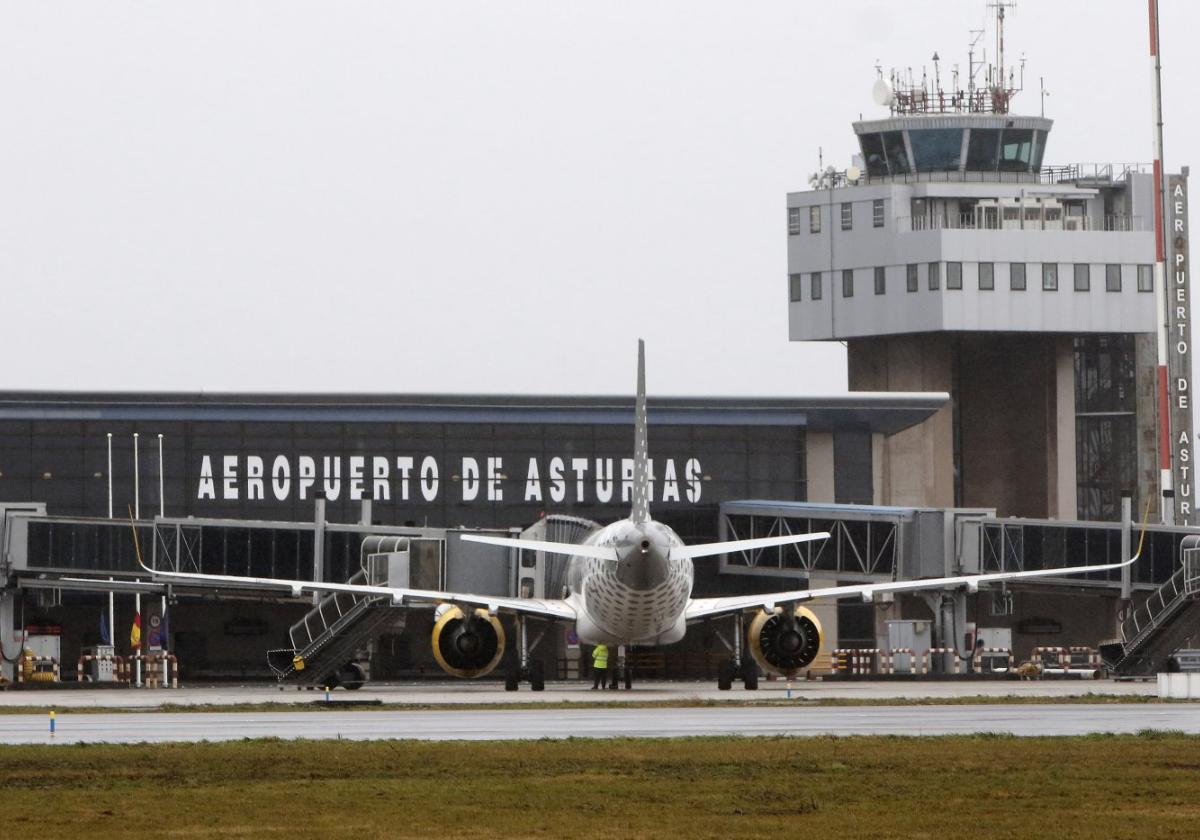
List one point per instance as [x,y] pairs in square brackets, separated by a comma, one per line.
[1160,279]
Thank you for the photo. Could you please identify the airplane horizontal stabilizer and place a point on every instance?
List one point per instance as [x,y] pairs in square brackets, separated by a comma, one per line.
[571,549]
[709,549]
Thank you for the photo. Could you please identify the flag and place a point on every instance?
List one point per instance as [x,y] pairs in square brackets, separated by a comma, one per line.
[105,638]
[135,632]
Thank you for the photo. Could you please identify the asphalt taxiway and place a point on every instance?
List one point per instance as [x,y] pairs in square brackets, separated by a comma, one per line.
[454,692]
[633,722]
[402,712]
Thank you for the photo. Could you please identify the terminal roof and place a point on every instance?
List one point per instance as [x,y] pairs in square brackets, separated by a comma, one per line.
[886,413]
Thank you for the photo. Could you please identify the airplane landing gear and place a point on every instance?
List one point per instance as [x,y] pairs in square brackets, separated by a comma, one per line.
[622,672]
[736,667]
[525,668]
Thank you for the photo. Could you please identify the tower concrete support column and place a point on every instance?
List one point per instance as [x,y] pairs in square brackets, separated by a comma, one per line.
[818,452]
[1063,484]
[915,466]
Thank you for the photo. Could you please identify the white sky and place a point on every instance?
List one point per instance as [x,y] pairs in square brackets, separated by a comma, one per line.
[488,196]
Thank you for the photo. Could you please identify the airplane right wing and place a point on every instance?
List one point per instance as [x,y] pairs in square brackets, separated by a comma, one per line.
[699,608]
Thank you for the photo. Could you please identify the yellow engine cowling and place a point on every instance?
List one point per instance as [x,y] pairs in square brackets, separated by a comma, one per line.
[784,643]
[467,644]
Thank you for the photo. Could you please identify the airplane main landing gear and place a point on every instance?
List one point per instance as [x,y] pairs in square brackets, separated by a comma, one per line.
[737,666]
[525,668]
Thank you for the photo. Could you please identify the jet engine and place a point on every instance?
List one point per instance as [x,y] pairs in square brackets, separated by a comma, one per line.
[784,643]
[467,643]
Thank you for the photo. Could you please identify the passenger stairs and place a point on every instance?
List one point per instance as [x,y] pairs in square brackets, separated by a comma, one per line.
[326,641]
[1166,621]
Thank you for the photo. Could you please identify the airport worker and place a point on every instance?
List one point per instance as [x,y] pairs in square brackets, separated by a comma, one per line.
[599,665]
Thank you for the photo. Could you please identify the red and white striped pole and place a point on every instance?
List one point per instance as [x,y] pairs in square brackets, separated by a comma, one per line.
[1166,481]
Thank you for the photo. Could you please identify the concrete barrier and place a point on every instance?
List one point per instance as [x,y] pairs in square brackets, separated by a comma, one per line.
[1179,686]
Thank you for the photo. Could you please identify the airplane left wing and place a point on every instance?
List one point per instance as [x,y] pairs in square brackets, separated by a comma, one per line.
[538,607]
[699,608]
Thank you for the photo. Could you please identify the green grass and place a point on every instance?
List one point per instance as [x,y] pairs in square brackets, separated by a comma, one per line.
[341,704]
[976,787]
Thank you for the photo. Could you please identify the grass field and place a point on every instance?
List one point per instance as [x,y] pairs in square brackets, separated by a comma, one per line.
[976,787]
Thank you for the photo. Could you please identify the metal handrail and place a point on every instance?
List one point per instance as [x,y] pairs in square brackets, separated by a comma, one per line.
[995,221]
[1157,607]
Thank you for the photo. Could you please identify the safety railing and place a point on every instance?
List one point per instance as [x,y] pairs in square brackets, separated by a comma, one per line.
[1163,602]
[1033,220]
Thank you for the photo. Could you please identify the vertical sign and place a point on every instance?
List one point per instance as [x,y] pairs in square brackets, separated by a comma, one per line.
[1179,355]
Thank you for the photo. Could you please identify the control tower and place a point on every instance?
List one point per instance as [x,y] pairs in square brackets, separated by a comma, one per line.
[951,257]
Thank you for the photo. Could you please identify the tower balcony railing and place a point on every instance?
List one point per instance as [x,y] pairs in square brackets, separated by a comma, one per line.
[1032,220]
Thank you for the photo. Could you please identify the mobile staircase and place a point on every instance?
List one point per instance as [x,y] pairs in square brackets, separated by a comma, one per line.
[326,641]
[1166,621]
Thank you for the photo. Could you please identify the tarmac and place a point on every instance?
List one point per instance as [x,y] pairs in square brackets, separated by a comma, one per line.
[391,713]
[451,692]
[634,722]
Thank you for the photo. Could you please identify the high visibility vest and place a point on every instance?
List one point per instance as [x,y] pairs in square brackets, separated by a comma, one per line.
[600,656]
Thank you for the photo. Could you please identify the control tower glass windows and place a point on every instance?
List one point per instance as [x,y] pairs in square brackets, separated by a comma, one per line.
[814,219]
[1145,278]
[1112,277]
[987,277]
[936,149]
[1016,149]
[1049,277]
[847,216]
[877,213]
[848,282]
[1016,277]
[880,280]
[982,149]
[795,282]
[816,286]
[1083,277]
[897,153]
[911,277]
[953,275]
[935,276]
[793,221]
[872,149]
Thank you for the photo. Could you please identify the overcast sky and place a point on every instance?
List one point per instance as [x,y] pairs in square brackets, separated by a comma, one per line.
[473,196]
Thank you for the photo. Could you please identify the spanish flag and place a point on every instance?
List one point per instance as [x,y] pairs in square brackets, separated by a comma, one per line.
[135,632]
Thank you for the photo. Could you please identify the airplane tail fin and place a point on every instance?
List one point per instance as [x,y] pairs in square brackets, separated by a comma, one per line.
[641,462]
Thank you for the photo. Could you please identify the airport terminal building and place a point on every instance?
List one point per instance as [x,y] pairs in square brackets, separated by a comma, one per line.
[296,485]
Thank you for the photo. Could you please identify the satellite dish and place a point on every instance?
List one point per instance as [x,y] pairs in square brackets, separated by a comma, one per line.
[882,93]
[853,173]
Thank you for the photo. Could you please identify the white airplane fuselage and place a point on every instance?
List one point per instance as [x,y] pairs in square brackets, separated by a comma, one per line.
[638,599]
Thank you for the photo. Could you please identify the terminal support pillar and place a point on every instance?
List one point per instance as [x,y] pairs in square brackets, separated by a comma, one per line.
[10,640]
[318,545]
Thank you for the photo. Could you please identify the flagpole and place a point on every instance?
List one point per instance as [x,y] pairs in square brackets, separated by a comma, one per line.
[137,597]
[162,610]
[112,599]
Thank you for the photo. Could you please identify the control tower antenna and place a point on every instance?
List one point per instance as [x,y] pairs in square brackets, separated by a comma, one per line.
[973,65]
[1002,89]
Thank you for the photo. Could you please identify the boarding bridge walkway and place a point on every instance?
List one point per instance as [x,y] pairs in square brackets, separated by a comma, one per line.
[326,641]
[1167,620]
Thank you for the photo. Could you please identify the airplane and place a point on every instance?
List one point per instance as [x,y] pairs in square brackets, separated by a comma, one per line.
[630,584]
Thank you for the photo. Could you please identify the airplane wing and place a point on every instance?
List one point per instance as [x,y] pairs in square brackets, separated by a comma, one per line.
[538,607]
[699,608]
[731,546]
